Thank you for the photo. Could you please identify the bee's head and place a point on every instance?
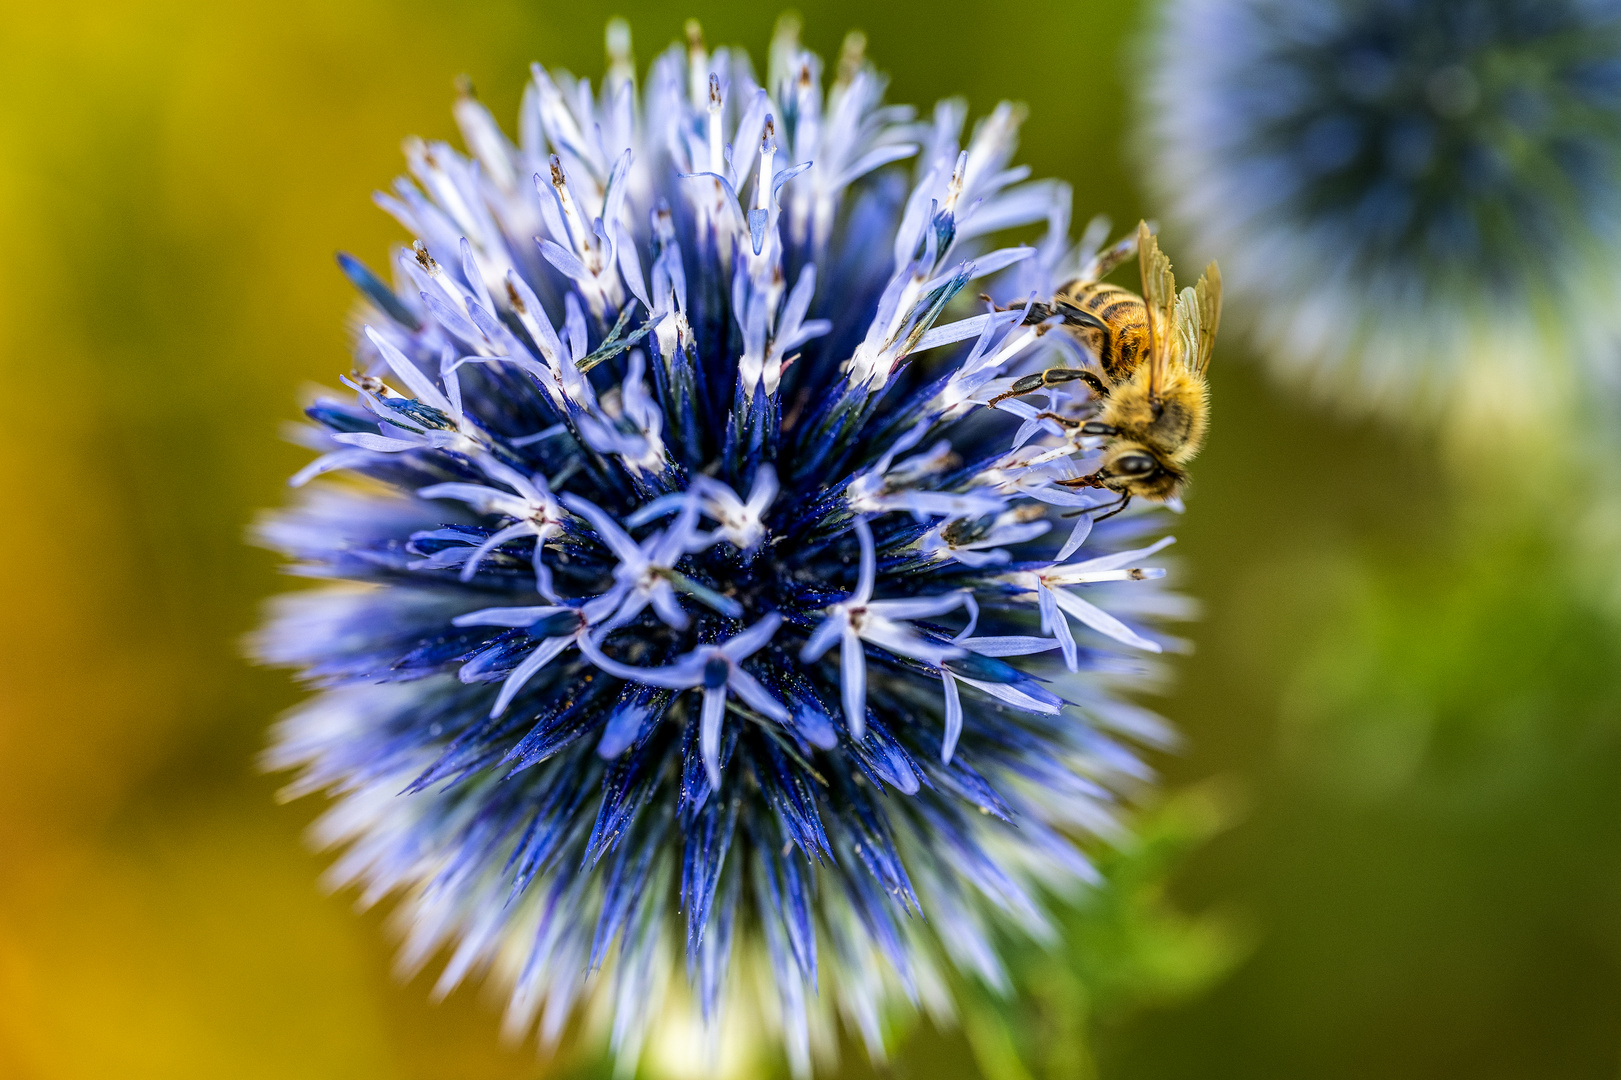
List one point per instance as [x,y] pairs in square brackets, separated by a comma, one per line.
[1133,469]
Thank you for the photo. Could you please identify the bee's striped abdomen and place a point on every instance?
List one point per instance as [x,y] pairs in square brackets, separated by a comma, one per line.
[1123,340]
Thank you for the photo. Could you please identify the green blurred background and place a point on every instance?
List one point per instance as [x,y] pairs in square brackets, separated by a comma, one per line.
[1392,848]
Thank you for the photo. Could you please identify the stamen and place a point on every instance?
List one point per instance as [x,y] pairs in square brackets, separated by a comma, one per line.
[717,153]
[955,188]
[768,152]
[697,63]
[423,259]
[663,224]
[852,54]
[515,302]
[579,235]
[441,186]
[621,62]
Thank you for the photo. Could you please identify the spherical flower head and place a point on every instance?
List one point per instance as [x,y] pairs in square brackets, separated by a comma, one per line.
[699,646]
[1414,201]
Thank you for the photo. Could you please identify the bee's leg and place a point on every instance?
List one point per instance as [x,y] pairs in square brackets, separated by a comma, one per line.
[1062,421]
[1054,376]
[1027,385]
[1038,312]
[1090,480]
[1085,426]
[1074,316]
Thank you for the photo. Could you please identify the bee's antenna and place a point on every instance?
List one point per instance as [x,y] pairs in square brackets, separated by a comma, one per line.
[1125,501]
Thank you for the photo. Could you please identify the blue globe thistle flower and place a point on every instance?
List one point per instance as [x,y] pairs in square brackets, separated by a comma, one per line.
[690,613]
[1411,199]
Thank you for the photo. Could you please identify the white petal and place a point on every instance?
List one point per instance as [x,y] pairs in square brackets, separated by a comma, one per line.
[377,443]
[1057,496]
[1028,429]
[419,384]
[617,540]
[1083,529]
[1102,622]
[972,605]
[621,730]
[1015,534]
[919,607]
[960,330]
[869,562]
[543,574]
[635,603]
[977,559]
[823,637]
[477,496]
[1011,694]
[664,504]
[902,640]
[999,259]
[506,616]
[514,479]
[948,744]
[853,683]
[525,671]
[1047,604]
[764,489]
[753,639]
[566,261]
[675,677]
[758,697]
[1008,646]
[1060,629]
[714,711]
[337,459]
[600,607]
[1119,558]
[496,539]
[667,547]
[939,503]
[1075,577]
[662,594]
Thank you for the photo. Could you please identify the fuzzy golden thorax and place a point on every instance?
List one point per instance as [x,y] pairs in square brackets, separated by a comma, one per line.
[1167,427]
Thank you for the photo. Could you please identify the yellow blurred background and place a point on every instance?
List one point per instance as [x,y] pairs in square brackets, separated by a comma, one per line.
[1397,675]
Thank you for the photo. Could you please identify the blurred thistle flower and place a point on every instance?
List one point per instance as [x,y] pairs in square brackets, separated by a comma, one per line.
[690,599]
[1412,200]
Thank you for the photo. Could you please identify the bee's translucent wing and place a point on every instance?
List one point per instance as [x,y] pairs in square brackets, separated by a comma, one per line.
[1207,300]
[1159,296]
[1189,327]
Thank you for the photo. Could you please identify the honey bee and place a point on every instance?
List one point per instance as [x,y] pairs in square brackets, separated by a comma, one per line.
[1154,402]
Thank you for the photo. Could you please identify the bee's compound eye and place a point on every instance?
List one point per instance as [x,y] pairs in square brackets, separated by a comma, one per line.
[1133,465]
